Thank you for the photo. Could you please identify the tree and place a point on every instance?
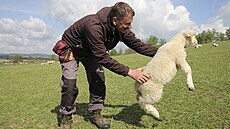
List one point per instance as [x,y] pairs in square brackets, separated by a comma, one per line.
[53,57]
[120,52]
[162,42]
[211,35]
[113,52]
[207,36]
[220,36]
[228,33]
[153,40]
[16,58]
[201,38]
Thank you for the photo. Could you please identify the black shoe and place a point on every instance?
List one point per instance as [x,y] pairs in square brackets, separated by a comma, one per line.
[66,122]
[97,119]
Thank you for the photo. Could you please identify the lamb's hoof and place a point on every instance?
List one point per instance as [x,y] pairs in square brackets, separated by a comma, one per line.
[191,88]
[158,119]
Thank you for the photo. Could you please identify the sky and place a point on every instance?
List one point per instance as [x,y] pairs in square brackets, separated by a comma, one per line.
[34,26]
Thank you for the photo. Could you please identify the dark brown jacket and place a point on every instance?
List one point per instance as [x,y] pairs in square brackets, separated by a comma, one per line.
[95,35]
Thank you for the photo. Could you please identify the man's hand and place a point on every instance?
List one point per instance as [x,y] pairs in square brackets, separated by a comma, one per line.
[138,75]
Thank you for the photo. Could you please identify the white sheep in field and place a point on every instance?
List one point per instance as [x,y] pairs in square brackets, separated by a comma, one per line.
[50,62]
[215,45]
[162,69]
[198,45]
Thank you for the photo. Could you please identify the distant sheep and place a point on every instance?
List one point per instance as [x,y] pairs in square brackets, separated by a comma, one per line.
[215,45]
[162,69]
[48,62]
[198,45]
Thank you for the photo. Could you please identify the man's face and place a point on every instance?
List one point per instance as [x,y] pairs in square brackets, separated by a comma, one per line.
[125,23]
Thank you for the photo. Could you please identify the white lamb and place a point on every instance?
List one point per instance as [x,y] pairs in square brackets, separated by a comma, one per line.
[162,69]
[215,45]
[198,45]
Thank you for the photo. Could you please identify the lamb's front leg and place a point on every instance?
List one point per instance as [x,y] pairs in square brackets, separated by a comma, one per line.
[187,69]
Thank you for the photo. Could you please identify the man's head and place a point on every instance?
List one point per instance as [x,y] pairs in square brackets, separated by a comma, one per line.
[122,16]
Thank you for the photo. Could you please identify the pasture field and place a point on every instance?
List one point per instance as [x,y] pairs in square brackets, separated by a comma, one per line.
[30,95]
[3,60]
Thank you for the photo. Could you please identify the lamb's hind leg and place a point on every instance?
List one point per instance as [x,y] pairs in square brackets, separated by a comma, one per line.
[148,95]
[150,109]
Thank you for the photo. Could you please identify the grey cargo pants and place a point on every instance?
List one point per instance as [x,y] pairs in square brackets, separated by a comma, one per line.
[96,81]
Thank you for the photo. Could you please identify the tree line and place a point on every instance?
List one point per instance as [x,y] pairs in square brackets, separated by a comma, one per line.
[212,36]
[18,58]
[202,38]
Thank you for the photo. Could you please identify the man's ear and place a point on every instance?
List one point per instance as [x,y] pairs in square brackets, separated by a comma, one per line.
[114,20]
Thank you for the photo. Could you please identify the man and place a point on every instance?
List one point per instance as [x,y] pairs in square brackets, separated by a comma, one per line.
[87,41]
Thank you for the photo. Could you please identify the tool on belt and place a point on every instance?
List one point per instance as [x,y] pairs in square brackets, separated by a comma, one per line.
[62,49]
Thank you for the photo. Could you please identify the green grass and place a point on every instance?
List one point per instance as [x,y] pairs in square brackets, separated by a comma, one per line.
[30,95]
[4,60]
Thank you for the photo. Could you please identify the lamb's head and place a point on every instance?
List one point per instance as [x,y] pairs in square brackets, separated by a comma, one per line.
[190,38]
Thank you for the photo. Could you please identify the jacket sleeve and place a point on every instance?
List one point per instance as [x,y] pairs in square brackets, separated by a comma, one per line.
[94,38]
[137,45]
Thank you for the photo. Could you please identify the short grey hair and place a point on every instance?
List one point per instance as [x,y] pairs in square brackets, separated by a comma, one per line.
[120,10]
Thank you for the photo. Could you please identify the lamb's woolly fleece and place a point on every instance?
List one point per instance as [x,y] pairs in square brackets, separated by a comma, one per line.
[162,68]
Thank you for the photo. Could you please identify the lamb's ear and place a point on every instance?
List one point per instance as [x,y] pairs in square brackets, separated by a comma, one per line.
[189,34]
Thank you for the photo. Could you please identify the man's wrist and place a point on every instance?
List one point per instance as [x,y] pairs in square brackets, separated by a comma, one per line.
[130,73]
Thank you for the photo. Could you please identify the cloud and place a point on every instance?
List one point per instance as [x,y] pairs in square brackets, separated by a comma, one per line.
[216,23]
[27,36]
[221,22]
[161,18]
[69,11]
[224,14]
[153,17]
